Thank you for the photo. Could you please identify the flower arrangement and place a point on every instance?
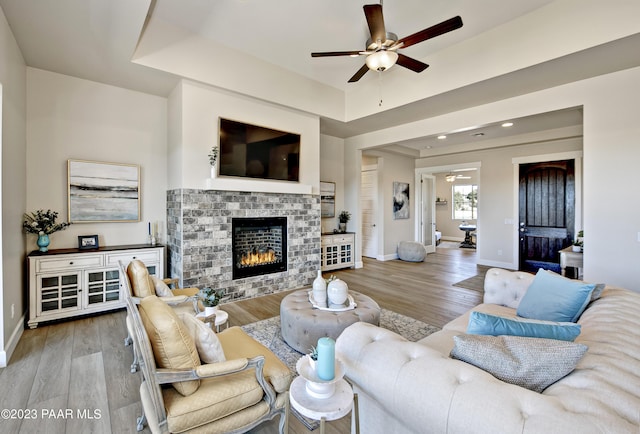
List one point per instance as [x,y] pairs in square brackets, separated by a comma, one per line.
[43,222]
[211,297]
[213,156]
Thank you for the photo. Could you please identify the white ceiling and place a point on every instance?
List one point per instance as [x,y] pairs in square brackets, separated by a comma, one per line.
[96,39]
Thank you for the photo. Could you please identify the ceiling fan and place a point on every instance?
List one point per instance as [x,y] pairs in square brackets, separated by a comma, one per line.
[381,50]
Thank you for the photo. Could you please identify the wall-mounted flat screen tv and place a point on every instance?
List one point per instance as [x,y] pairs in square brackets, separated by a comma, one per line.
[258,152]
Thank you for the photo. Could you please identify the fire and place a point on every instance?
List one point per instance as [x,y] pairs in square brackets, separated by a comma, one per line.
[257,258]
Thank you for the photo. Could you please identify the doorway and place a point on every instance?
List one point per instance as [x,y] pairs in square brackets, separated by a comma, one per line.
[547,213]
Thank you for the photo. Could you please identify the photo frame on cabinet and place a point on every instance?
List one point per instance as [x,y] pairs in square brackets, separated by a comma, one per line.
[88,242]
[103,192]
[327,199]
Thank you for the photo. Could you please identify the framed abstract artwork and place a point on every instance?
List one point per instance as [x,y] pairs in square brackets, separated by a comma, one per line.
[400,200]
[103,192]
[327,199]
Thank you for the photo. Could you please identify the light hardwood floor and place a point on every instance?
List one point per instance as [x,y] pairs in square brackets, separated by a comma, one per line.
[74,377]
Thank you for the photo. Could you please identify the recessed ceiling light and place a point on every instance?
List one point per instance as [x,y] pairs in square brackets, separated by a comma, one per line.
[507,124]
[442,137]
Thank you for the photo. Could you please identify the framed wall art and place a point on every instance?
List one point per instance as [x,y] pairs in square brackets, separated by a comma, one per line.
[88,242]
[400,200]
[103,192]
[327,199]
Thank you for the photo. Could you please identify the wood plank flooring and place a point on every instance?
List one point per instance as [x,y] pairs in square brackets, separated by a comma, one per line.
[74,376]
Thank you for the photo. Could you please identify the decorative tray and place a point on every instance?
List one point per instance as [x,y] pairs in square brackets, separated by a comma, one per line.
[350,304]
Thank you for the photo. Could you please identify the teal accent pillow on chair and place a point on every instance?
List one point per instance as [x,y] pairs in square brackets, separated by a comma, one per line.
[552,297]
[485,324]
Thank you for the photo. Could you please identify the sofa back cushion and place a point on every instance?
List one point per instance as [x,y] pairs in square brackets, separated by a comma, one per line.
[141,284]
[173,347]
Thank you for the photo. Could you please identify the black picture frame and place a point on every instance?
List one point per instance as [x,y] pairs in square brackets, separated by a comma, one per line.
[88,242]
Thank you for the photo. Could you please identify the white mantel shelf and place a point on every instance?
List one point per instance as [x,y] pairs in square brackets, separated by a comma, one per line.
[260,186]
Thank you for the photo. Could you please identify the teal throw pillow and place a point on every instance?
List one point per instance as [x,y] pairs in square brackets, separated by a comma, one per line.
[551,297]
[485,324]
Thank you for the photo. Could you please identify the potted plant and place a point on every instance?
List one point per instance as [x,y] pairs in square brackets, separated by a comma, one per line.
[578,244]
[313,358]
[43,223]
[213,157]
[344,218]
[210,299]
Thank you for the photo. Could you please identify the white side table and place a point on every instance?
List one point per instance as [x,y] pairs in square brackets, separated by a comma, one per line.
[222,318]
[335,407]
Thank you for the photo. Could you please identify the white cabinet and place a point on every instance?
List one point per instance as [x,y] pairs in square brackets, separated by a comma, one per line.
[338,251]
[69,282]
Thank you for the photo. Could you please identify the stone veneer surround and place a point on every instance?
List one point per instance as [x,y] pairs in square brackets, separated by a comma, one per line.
[199,238]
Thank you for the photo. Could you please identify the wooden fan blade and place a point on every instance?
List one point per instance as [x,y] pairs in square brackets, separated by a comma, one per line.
[433,31]
[375,21]
[358,75]
[412,64]
[336,53]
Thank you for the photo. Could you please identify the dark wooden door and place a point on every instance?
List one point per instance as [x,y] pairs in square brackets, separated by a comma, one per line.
[547,213]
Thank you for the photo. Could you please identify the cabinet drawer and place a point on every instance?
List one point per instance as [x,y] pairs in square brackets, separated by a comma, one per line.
[343,238]
[68,263]
[146,256]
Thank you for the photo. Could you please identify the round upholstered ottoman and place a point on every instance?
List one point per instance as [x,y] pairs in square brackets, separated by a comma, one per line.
[411,251]
[302,325]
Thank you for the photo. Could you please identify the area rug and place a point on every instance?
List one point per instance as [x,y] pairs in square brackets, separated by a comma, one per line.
[475,283]
[267,332]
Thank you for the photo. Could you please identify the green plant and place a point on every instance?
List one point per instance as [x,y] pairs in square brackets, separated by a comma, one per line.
[344,216]
[211,297]
[43,222]
[213,156]
[313,354]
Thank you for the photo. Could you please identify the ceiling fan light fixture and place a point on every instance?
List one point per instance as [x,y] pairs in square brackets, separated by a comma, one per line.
[381,60]
[451,177]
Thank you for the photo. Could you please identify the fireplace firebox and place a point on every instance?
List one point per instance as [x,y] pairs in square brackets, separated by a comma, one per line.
[259,246]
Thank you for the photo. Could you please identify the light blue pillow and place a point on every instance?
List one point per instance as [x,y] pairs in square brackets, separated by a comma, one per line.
[485,324]
[552,297]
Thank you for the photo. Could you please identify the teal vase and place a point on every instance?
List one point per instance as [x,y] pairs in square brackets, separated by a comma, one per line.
[43,242]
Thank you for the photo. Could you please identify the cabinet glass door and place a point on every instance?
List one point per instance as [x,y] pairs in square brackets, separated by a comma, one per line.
[103,286]
[59,293]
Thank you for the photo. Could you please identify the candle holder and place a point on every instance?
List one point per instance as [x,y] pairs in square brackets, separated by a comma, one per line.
[317,387]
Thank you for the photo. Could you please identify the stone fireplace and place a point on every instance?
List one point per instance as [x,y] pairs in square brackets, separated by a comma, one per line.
[200,239]
[258,245]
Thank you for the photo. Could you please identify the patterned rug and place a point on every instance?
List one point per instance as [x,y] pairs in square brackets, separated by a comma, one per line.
[267,332]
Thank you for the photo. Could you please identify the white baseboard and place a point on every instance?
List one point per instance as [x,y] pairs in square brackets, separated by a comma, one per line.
[505,265]
[12,343]
[390,257]
[359,264]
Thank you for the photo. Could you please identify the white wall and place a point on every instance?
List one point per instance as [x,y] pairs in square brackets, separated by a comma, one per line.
[202,106]
[610,159]
[70,118]
[332,170]
[13,169]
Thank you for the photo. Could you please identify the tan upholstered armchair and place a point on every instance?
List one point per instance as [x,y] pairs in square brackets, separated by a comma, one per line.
[245,387]
[139,284]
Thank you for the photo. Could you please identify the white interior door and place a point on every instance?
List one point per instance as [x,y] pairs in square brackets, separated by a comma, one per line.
[428,187]
[369,207]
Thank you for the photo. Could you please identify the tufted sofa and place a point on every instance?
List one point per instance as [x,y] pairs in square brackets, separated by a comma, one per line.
[415,387]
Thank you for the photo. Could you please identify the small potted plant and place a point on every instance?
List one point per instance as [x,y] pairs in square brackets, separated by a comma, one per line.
[344,218]
[578,244]
[210,299]
[313,357]
[213,157]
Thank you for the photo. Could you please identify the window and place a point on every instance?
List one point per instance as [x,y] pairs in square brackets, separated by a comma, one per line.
[465,202]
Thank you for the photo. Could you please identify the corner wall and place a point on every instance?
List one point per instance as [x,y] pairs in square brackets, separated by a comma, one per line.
[13,88]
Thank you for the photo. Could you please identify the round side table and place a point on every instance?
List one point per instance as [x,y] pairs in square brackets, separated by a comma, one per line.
[332,408]
[222,318]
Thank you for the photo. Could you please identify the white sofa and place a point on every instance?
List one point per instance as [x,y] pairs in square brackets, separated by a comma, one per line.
[406,387]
